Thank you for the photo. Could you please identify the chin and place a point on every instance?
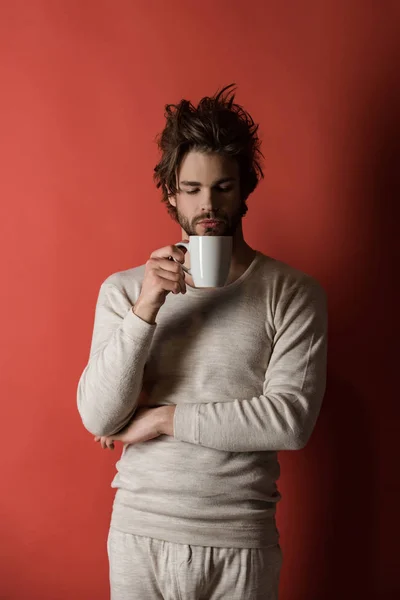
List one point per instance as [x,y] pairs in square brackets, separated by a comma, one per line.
[214,231]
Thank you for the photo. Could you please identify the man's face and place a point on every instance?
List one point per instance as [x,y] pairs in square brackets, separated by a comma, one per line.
[208,200]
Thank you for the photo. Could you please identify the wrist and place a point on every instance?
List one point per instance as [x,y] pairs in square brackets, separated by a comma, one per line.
[166,420]
[145,312]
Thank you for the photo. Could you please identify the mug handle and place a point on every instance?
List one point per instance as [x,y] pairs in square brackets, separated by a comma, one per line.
[184,245]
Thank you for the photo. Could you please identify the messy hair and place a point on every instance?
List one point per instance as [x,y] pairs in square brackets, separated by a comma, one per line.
[216,124]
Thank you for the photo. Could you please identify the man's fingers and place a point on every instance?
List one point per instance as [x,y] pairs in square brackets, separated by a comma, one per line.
[175,280]
[105,442]
[170,275]
[167,265]
[167,251]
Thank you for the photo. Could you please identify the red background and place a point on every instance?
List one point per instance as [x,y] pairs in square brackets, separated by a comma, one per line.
[83,88]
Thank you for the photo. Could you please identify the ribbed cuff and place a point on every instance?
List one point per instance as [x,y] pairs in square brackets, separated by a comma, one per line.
[186,423]
[137,329]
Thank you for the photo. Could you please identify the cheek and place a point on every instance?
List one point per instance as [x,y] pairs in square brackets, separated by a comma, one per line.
[186,207]
[232,202]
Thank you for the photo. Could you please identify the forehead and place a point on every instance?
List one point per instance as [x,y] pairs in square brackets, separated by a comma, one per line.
[206,167]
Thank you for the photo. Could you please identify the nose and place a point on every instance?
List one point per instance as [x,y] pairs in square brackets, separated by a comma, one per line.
[209,200]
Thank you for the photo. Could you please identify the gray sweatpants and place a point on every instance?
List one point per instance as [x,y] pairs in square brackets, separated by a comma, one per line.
[143,568]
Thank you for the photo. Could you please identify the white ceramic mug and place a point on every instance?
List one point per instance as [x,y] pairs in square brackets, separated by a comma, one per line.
[210,259]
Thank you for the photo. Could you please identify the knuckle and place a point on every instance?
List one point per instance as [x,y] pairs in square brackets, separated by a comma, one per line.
[153,276]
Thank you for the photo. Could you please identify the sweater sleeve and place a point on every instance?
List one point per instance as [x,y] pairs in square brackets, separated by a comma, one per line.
[111,382]
[283,417]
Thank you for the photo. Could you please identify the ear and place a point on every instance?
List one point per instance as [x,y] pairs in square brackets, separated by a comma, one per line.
[172,200]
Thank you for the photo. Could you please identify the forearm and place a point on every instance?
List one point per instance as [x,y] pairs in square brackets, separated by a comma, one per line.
[110,384]
[265,423]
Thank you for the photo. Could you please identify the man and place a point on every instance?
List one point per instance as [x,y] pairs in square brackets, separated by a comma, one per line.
[203,386]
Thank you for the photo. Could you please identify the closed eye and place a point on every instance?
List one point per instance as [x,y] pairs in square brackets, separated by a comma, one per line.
[218,189]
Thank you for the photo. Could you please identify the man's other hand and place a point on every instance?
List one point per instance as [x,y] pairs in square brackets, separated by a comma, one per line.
[147,424]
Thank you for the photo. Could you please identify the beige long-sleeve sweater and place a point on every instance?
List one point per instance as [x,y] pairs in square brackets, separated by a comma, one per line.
[246,366]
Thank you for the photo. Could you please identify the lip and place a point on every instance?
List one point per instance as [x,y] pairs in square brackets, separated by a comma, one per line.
[211,222]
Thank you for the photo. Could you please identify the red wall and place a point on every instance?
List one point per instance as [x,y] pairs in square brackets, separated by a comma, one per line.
[83,86]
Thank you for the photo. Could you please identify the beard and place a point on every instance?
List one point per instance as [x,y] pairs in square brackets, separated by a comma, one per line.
[228,226]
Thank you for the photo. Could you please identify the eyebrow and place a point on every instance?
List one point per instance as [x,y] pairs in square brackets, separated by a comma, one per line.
[198,184]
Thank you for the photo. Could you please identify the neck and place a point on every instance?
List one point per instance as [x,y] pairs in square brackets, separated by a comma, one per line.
[242,255]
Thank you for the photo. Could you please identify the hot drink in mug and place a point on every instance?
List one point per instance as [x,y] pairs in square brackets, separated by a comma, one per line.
[210,259]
